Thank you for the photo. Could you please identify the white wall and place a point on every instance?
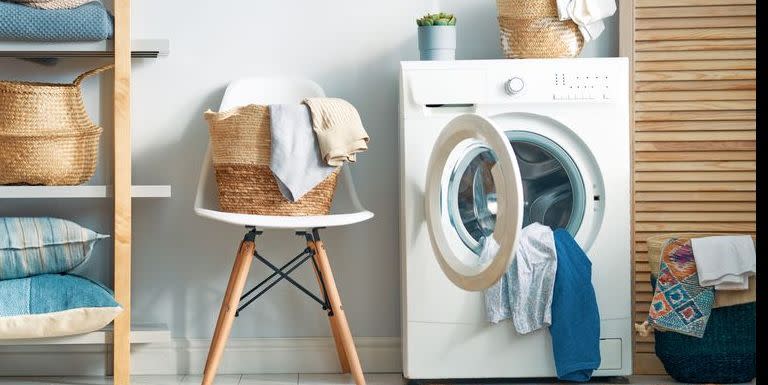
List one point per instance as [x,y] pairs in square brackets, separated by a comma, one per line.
[351,48]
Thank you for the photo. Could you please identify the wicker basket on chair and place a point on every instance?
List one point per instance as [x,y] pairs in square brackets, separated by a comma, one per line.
[532,29]
[46,136]
[241,149]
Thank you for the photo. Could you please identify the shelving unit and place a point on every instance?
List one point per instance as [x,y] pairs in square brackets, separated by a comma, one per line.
[122,48]
[142,48]
[67,192]
[140,334]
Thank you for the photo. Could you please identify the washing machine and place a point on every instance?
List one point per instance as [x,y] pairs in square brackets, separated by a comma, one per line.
[487,147]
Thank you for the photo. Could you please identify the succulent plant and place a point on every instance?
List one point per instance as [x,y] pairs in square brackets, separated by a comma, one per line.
[436,19]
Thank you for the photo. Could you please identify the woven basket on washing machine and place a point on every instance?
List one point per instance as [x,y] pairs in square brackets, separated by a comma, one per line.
[532,29]
[241,150]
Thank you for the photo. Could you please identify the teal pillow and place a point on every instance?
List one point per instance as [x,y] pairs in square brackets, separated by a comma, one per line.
[54,305]
[34,246]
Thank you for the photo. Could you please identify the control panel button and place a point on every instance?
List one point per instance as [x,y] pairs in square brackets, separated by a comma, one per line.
[514,85]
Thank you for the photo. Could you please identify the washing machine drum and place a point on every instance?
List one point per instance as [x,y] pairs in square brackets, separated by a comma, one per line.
[483,185]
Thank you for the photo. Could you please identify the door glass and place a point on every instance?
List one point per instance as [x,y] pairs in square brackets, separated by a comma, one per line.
[472,196]
[552,184]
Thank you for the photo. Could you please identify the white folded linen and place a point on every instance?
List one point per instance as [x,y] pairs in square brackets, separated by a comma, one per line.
[725,262]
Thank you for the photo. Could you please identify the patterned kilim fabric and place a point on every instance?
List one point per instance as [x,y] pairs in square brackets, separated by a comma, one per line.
[679,303]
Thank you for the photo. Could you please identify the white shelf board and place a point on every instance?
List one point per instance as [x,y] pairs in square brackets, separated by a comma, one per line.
[52,192]
[140,334]
[149,48]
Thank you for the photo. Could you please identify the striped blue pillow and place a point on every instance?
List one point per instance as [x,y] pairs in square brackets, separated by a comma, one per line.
[34,246]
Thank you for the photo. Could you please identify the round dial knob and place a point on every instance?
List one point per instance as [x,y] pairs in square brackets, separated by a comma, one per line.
[514,85]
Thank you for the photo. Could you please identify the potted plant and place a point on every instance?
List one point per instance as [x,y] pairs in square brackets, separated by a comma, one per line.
[437,36]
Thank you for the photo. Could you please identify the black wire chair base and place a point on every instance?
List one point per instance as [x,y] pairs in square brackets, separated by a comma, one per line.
[282,273]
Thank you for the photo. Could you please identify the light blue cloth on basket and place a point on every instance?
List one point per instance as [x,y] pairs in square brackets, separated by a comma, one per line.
[524,293]
[575,325]
[295,159]
[88,22]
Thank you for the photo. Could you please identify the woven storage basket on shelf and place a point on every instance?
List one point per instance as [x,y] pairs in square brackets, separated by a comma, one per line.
[241,145]
[532,29]
[46,136]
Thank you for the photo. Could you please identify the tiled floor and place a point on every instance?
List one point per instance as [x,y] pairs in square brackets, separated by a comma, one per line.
[262,379]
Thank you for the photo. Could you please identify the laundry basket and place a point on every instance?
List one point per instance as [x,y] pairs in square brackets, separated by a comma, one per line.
[46,136]
[532,29]
[726,352]
[241,144]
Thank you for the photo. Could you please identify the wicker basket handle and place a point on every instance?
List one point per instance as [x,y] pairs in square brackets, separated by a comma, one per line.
[90,73]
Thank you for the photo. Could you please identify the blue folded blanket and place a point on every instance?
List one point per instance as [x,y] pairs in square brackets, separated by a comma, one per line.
[89,22]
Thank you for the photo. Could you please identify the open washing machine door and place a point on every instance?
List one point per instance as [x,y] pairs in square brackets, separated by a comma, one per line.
[474,202]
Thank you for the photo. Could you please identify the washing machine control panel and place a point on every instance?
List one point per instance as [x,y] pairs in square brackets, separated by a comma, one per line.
[581,86]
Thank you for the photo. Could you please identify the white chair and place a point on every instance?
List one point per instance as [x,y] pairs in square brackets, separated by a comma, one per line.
[346,210]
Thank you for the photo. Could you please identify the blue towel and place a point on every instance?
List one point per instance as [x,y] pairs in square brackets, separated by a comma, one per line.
[575,326]
[89,22]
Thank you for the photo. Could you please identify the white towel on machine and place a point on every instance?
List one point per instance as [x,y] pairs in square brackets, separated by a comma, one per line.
[725,262]
[587,14]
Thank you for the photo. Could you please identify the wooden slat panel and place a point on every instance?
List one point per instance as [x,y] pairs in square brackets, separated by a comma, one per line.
[695,34]
[700,105]
[696,217]
[695,166]
[665,176]
[706,11]
[694,226]
[740,145]
[688,3]
[688,136]
[643,236]
[695,186]
[737,125]
[693,206]
[695,155]
[696,85]
[694,132]
[694,115]
[695,196]
[664,76]
[648,363]
[696,22]
[693,55]
[694,95]
[695,45]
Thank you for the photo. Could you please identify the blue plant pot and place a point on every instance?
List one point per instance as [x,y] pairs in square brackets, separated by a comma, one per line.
[437,42]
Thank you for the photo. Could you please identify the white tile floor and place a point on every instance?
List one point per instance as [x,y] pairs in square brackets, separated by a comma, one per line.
[262,379]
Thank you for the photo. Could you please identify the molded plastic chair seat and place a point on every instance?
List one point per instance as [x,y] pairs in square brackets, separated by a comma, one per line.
[346,209]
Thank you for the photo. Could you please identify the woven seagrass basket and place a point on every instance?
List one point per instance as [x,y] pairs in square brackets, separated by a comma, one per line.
[532,29]
[241,145]
[46,136]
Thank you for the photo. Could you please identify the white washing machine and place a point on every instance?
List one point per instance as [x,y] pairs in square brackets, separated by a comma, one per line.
[487,147]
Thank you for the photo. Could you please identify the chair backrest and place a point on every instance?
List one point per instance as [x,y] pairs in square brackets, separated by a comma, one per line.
[271,91]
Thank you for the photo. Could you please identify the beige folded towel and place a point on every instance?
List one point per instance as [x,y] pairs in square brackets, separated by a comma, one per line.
[339,130]
[52,4]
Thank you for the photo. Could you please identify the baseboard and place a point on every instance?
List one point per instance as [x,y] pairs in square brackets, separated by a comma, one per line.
[187,356]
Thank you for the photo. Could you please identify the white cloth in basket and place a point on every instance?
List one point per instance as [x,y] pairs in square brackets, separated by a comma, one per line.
[295,158]
[587,14]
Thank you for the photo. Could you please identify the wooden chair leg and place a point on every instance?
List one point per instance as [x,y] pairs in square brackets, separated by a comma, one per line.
[228,308]
[338,314]
[343,361]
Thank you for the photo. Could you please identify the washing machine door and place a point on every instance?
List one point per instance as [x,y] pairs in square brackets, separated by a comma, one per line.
[474,202]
